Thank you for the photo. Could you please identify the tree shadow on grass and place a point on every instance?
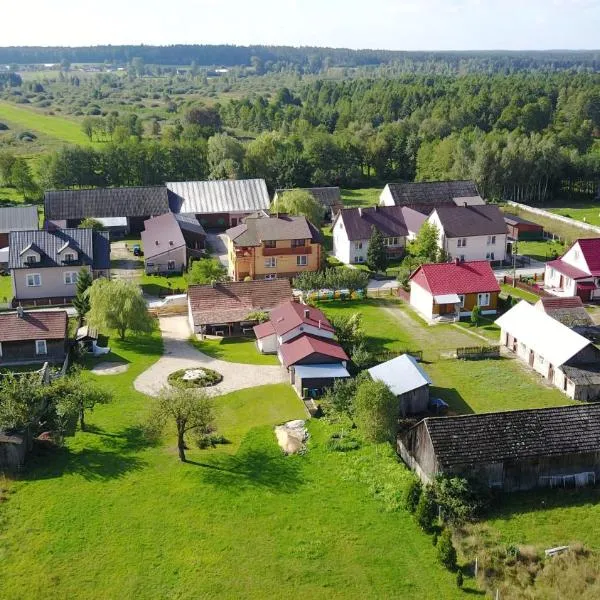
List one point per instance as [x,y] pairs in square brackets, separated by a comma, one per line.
[255,466]
[454,399]
[93,464]
[130,439]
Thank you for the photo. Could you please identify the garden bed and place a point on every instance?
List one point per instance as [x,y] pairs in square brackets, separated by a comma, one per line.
[199,377]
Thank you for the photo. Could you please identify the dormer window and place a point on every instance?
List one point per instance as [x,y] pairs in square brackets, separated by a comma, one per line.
[69,257]
[31,259]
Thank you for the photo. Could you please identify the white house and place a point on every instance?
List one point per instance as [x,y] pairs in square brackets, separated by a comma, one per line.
[475,232]
[576,272]
[560,355]
[352,229]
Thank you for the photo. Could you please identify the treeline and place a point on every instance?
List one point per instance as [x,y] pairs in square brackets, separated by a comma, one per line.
[311,59]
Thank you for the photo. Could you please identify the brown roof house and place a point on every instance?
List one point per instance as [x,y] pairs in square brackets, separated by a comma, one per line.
[165,240]
[32,337]
[223,308]
[510,450]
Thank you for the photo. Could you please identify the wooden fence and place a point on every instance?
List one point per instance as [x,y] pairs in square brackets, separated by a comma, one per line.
[478,352]
[384,356]
[532,289]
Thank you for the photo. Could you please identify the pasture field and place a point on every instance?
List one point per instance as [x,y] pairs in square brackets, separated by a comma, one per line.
[361,197]
[59,128]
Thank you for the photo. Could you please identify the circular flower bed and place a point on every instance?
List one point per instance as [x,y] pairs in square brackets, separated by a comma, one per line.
[198,377]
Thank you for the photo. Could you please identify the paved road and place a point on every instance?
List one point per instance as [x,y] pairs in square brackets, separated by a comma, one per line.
[179,354]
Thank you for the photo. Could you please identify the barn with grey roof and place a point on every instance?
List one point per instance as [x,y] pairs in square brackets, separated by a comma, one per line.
[16,218]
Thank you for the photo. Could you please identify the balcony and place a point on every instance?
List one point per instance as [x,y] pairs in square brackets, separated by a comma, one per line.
[287,251]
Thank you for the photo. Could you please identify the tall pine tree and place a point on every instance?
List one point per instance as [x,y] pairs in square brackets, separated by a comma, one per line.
[376,254]
[81,302]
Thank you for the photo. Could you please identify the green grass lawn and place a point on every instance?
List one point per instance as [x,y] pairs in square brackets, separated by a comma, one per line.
[515,292]
[587,213]
[541,250]
[486,328]
[5,288]
[113,516]
[361,197]
[239,350]
[160,285]
[56,127]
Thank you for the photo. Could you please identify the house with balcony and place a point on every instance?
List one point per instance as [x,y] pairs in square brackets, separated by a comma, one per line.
[576,272]
[45,265]
[273,247]
[352,229]
[469,233]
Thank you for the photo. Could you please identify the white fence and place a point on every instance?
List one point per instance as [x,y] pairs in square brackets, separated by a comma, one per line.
[555,217]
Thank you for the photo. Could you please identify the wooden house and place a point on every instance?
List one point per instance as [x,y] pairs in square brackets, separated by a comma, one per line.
[522,229]
[510,450]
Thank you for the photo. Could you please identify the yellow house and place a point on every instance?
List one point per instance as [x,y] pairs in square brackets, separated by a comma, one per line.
[272,247]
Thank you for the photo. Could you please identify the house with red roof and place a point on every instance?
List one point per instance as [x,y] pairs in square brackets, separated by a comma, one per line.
[303,340]
[33,337]
[576,272]
[448,291]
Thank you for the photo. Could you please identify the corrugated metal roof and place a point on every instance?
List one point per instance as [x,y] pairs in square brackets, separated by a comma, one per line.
[231,195]
[543,334]
[401,374]
[335,370]
[18,218]
[93,247]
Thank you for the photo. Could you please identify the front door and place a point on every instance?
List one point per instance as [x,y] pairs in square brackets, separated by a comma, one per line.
[234,221]
[561,283]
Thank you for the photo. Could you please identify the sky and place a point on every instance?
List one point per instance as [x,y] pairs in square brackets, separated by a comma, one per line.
[389,24]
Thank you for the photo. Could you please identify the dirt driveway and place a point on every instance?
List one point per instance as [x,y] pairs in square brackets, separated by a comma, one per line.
[124,265]
[179,354]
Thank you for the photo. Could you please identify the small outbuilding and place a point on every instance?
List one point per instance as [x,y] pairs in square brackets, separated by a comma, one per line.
[522,229]
[311,381]
[407,380]
[512,450]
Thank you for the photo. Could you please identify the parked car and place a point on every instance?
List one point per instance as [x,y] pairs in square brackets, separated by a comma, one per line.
[137,250]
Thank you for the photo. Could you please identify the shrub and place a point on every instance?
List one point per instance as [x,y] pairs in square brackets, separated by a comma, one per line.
[426,511]
[413,494]
[339,442]
[459,579]
[446,551]
[208,379]
[210,440]
[461,500]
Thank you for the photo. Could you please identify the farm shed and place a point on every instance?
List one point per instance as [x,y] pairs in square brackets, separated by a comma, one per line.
[407,380]
[311,380]
[16,218]
[512,450]
[548,346]
[522,229]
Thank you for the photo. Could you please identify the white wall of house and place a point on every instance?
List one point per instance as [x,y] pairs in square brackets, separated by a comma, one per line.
[268,344]
[555,280]
[476,247]
[421,300]
[160,263]
[574,257]
[341,244]
[385,198]
[52,282]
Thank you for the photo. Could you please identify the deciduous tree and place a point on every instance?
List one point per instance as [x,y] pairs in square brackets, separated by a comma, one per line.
[376,411]
[376,255]
[206,270]
[300,202]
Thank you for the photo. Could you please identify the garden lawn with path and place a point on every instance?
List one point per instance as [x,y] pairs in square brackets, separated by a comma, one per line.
[114,516]
[236,350]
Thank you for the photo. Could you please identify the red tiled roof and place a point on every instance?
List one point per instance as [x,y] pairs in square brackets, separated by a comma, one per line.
[567,269]
[591,252]
[555,302]
[305,345]
[263,330]
[231,302]
[290,315]
[452,278]
[34,325]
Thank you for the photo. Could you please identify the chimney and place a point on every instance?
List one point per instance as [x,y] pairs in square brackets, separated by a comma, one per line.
[306,313]
[457,261]
[319,323]
[20,312]
[360,211]
[156,242]
[213,283]
[170,242]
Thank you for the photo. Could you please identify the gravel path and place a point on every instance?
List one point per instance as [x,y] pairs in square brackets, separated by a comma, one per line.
[179,354]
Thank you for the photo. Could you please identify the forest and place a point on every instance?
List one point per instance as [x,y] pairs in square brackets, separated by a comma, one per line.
[530,137]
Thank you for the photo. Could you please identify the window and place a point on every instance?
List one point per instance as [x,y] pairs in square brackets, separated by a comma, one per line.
[271,276]
[341,225]
[483,299]
[462,258]
[0,348]
[270,243]
[34,280]
[40,347]
[360,259]
[540,359]
[70,277]
[298,243]
[31,259]
[69,257]
[492,257]
[171,265]
[462,300]
[462,242]
[489,256]
[491,240]
[576,254]
[552,272]
[391,241]
[270,263]
[301,261]
[358,245]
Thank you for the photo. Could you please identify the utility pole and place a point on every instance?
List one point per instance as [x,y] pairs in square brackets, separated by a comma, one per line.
[514,249]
